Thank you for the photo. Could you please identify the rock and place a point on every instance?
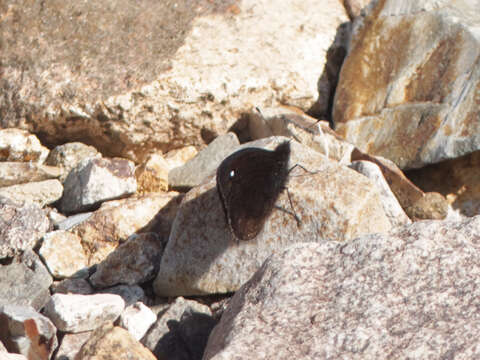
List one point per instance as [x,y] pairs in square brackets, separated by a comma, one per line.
[25,281]
[392,208]
[408,88]
[133,262]
[77,313]
[137,319]
[109,342]
[41,193]
[354,7]
[375,295]
[130,294]
[9,356]
[71,344]
[178,157]
[27,332]
[73,220]
[431,206]
[14,173]
[93,181]
[166,338]
[69,155]
[293,123]
[194,78]
[406,192]
[54,216]
[2,349]
[332,202]
[205,163]
[21,227]
[152,175]
[72,286]
[458,180]
[115,221]
[63,254]
[20,145]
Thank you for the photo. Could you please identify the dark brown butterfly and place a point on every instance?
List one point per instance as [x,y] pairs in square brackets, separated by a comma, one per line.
[249,182]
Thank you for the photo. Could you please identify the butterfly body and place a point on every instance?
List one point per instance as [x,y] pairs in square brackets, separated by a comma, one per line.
[249,182]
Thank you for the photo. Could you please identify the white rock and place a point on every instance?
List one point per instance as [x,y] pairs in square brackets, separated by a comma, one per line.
[20,145]
[137,319]
[41,192]
[77,313]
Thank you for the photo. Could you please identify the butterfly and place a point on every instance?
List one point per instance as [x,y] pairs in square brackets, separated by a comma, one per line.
[249,182]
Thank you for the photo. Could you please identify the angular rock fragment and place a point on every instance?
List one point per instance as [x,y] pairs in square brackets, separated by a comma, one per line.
[41,193]
[20,145]
[137,319]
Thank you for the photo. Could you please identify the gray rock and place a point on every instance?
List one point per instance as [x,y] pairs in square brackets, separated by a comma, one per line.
[204,164]
[332,202]
[94,181]
[71,344]
[25,281]
[129,293]
[63,253]
[77,313]
[72,286]
[392,208]
[135,261]
[73,220]
[21,227]
[27,332]
[410,293]
[69,155]
[41,193]
[137,319]
[181,332]
[20,145]
[14,173]
[415,101]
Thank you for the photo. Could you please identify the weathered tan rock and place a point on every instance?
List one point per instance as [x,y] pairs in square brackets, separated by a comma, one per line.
[134,262]
[183,73]
[458,180]
[116,220]
[333,203]
[354,7]
[431,206]
[21,227]
[20,145]
[152,175]
[12,173]
[94,181]
[408,88]
[71,344]
[41,193]
[109,342]
[63,254]
[25,331]
[411,293]
[178,157]
[69,155]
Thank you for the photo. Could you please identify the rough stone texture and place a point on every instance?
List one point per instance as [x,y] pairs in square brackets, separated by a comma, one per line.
[152,175]
[77,313]
[72,286]
[109,342]
[173,76]
[93,181]
[458,180]
[69,155]
[133,262]
[21,227]
[63,254]
[293,123]
[13,173]
[409,86]
[20,145]
[2,348]
[179,157]
[406,192]
[332,202]
[354,7]
[392,208]
[27,332]
[71,221]
[41,193]
[410,294]
[71,344]
[137,319]
[168,338]
[25,282]
[115,221]
[129,293]
[204,164]
[8,356]
[431,206]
